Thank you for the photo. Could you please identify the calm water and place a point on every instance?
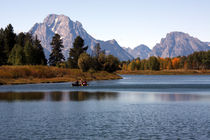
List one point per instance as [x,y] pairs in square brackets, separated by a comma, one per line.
[136,107]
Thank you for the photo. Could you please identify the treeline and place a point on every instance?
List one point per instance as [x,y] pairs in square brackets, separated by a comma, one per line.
[195,61]
[24,49]
[21,49]
[79,58]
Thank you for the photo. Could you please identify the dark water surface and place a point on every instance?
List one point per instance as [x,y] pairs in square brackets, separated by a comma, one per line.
[136,107]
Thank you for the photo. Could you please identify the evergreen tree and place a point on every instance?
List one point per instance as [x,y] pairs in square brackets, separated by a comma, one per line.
[3,57]
[153,63]
[56,57]
[74,53]
[97,50]
[29,53]
[39,53]
[16,56]
[20,39]
[9,39]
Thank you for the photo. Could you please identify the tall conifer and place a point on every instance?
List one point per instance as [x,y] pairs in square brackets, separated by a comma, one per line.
[56,56]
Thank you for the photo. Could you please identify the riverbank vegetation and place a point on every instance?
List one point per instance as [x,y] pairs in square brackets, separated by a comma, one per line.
[165,72]
[198,62]
[48,74]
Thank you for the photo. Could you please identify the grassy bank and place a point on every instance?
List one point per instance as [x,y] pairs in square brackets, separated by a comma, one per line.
[46,74]
[166,72]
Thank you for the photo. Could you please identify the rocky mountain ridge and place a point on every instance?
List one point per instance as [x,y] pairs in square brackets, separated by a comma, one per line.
[69,30]
[173,45]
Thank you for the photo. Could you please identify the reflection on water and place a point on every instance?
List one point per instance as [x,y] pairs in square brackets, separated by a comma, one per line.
[57,96]
[83,96]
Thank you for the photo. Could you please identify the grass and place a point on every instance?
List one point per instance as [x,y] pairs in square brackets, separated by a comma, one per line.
[166,72]
[48,74]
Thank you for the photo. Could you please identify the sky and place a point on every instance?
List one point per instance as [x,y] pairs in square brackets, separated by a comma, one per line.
[129,22]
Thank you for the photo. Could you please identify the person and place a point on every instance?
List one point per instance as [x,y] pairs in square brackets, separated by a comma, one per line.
[77,82]
[84,83]
[81,82]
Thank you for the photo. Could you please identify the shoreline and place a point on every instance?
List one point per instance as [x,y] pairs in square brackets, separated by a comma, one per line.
[53,80]
[41,74]
[165,72]
[11,75]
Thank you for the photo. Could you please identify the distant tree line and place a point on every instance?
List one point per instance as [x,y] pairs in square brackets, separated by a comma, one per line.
[195,61]
[24,49]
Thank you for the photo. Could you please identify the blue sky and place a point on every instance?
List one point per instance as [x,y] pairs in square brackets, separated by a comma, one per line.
[130,22]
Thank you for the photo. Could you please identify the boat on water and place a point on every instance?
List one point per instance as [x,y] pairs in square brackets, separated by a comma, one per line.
[80,84]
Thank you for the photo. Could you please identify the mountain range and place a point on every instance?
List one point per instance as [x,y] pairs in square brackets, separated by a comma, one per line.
[178,44]
[69,30]
[174,44]
[141,51]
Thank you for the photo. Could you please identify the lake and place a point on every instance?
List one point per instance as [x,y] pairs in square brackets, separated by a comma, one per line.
[135,107]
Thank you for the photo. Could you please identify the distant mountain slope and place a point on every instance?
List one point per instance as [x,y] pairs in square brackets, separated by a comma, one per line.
[178,44]
[141,51]
[208,43]
[69,30]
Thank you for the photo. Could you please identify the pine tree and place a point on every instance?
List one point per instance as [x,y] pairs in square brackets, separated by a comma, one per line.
[20,39]
[9,39]
[74,53]
[39,53]
[97,50]
[56,57]
[29,53]
[3,57]
[16,56]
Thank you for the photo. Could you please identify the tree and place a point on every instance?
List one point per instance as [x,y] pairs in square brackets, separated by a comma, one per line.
[9,39]
[153,63]
[29,53]
[132,66]
[16,56]
[56,56]
[206,60]
[138,63]
[20,39]
[101,61]
[111,64]
[168,63]
[175,62]
[97,50]
[84,62]
[182,62]
[74,53]
[3,57]
[39,53]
